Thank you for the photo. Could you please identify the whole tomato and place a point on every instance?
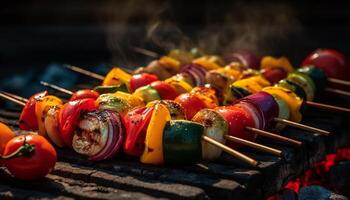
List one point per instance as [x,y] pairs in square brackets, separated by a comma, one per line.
[69,116]
[331,61]
[84,94]
[139,80]
[191,104]
[38,157]
[165,90]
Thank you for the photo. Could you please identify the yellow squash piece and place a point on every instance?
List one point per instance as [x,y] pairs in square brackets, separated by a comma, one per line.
[41,109]
[272,62]
[293,101]
[117,76]
[153,153]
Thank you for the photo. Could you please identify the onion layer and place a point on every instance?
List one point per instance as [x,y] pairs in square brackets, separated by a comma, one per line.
[100,135]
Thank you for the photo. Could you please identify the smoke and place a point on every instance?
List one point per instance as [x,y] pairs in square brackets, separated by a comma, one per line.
[167,36]
[258,27]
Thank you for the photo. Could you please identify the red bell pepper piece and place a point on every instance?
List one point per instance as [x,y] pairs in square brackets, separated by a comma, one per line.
[136,122]
[27,119]
[69,117]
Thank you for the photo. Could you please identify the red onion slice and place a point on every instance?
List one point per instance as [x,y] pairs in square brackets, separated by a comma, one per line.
[267,106]
[115,135]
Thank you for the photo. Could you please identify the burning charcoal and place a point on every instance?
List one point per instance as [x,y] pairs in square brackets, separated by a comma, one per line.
[318,193]
[340,178]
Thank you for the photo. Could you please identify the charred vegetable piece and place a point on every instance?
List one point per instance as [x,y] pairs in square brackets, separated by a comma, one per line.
[69,117]
[215,127]
[100,135]
[175,109]
[52,126]
[41,108]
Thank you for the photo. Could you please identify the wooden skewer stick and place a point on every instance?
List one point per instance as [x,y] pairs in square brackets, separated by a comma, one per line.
[85,72]
[337,91]
[302,126]
[56,87]
[25,100]
[254,145]
[4,96]
[339,81]
[230,151]
[327,107]
[274,136]
[146,52]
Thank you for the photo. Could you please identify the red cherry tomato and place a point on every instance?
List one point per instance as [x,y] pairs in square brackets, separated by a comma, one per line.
[165,90]
[139,80]
[37,164]
[331,61]
[27,119]
[136,122]
[273,75]
[69,116]
[85,94]
[191,104]
[237,119]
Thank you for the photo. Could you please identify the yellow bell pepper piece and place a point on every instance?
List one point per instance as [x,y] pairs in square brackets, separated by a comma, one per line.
[261,81]
[293,101]
[207,95]
[41,108]
[208,62]
[153,153]
[181,86]
[168,61]
[117,76]
[182,56]
[133,100]
[249,85]
[282,62]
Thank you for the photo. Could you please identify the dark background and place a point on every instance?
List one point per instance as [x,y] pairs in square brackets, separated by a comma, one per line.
[90,33]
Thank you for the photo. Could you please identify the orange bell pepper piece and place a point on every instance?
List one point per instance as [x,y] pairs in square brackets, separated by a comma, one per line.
[41,108]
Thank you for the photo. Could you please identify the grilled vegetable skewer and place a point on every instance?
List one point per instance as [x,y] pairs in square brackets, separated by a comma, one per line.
[207,139]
